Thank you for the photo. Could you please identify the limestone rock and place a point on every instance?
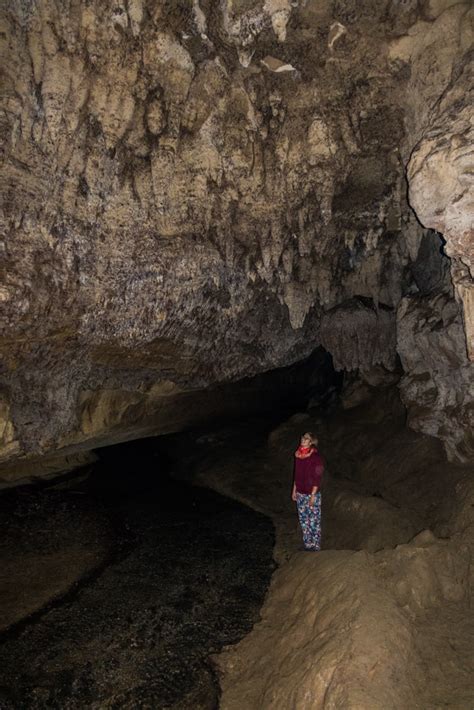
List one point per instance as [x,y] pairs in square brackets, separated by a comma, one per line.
[276,65]
[438,387]
[440,175]
[170,214]
[359,335]
[9,445]
[301,665]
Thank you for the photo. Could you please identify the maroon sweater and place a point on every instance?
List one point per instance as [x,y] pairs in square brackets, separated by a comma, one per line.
[308,472]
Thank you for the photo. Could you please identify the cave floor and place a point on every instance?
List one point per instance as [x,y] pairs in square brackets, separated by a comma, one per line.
[381,618]
[142,578]
[389,597]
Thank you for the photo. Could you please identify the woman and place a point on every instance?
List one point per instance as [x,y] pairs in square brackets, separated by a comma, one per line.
[307,490]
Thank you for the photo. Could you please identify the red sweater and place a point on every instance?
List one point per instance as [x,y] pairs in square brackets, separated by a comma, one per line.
[308,472]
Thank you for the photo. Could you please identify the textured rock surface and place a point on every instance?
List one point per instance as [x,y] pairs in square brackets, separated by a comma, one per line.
[179,212]
[360,336]
[438,387]
[345,636]
[112,415]
[441,178]
[381,617]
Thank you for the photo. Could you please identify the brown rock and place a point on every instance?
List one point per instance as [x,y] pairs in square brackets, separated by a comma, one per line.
[172,215]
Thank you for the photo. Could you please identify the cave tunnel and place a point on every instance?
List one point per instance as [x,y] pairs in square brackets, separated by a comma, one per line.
[237,355]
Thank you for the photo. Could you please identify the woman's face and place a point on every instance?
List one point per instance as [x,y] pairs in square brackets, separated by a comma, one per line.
[306,441]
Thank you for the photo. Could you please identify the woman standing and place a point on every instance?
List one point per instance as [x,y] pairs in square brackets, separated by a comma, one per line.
[307,490]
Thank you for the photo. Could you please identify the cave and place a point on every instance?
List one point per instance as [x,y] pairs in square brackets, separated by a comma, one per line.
[226,223]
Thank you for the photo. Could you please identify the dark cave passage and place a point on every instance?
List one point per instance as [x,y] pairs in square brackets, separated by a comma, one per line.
[184,572]
[121,579]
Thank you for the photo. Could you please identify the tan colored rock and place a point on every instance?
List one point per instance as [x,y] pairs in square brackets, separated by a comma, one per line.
[336,31]
[9,445]
[172,215]
[427,573]
[438,387]
[279,19]
[320,143]
[441,186]
[434,8]
[105,409]
[465,291]
[309,662]
[359,335]
[432,49]
[21,471]
[276,65]
[440,170]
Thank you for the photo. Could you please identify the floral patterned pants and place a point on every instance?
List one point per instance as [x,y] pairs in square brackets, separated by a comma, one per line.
[310,520]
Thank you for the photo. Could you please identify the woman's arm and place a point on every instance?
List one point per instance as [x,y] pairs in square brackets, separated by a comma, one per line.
[317,475]
[293,493]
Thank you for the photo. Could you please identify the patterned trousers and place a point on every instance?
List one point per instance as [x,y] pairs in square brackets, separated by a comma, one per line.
[310,520]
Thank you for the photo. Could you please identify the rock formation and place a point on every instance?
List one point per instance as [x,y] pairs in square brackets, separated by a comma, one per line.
[382,617]
[196,192]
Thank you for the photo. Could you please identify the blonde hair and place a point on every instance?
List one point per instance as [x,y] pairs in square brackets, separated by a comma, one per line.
[310,435]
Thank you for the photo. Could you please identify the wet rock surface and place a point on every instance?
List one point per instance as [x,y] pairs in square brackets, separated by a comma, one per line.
[51,540]
[186,574]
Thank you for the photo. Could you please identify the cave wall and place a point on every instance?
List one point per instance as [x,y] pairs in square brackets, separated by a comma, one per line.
[198,192]
[436,333]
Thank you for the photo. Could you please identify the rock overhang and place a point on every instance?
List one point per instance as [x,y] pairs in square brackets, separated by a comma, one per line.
[175,216]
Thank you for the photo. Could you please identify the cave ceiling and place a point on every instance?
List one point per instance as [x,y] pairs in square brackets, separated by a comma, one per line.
[196,192]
